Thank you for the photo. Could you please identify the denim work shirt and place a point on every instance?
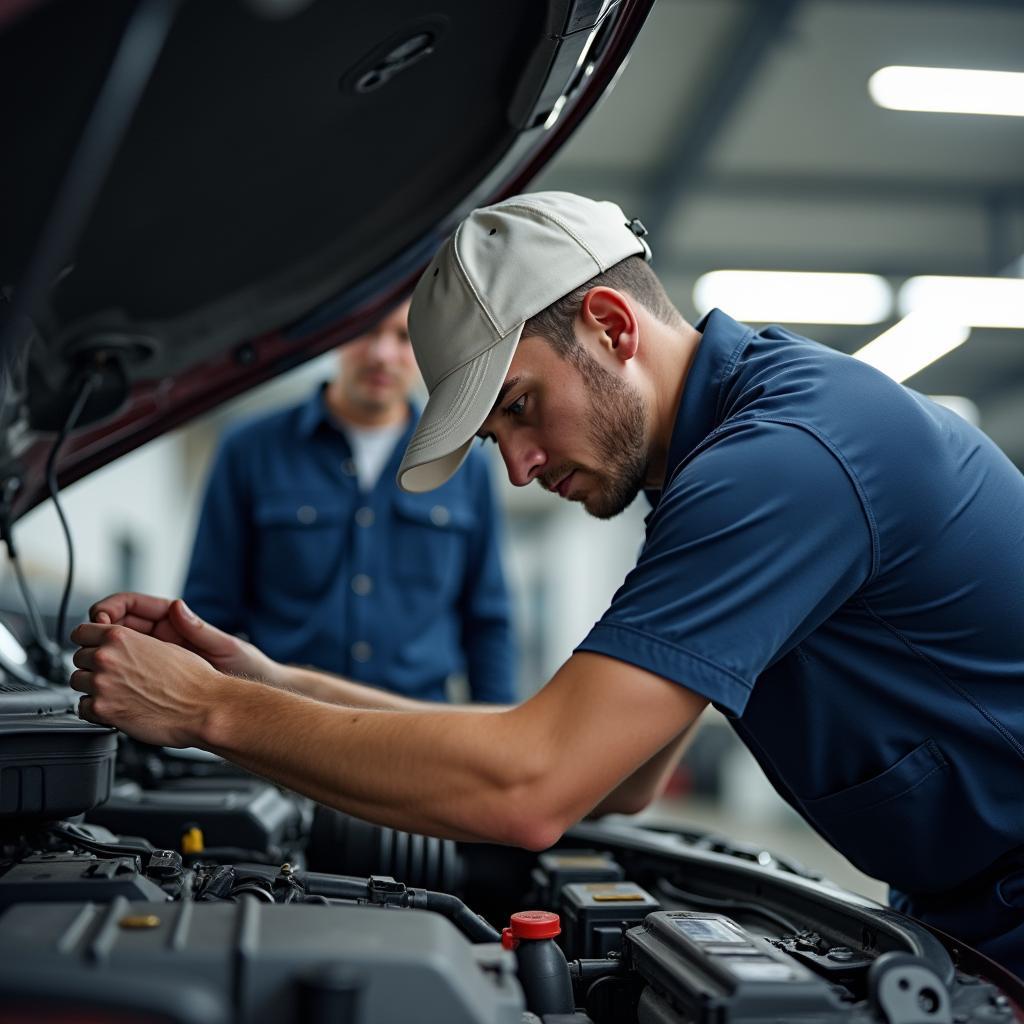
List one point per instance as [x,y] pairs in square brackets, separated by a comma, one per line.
[392,589]
[837,563]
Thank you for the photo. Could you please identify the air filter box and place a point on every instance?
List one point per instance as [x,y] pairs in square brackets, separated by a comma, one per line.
[53,766]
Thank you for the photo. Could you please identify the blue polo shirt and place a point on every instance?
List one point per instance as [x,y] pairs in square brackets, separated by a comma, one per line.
[837,563]
[393,589]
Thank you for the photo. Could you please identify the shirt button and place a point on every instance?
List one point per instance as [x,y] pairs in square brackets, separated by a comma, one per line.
[439,515]
[348,467]
[305,514]
[362,584]
[361,651]
[364,516]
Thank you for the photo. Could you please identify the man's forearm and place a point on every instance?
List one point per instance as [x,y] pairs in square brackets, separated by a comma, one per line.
[446,775]
[647,782]
[331,689]
[509,776]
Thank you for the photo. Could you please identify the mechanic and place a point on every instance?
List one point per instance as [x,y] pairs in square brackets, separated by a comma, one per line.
[307,546]
[833,560]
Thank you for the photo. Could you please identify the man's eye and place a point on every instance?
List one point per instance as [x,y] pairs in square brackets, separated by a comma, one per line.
[517,407]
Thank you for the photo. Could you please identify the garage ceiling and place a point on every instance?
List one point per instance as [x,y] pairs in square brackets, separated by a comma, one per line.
[743,135]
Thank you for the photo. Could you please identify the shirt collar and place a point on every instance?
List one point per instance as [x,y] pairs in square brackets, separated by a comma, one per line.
[700,409]
[314,412]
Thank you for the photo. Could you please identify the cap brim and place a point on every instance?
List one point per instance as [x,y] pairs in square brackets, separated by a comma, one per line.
[453,414]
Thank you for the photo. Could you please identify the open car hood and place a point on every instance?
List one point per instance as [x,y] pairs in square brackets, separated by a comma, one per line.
[197,196]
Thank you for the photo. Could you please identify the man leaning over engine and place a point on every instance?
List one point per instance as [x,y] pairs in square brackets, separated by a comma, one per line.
[832,560]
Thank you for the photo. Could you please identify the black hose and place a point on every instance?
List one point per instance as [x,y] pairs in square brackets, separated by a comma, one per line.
[70,833]
[591,970]
[51,652]
[473,926]
[82,397]
[336,886]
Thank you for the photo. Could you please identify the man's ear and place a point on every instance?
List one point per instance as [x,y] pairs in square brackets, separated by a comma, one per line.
[610,314]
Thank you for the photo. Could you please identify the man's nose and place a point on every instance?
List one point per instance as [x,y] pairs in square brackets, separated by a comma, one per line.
[523,459]
[386,347]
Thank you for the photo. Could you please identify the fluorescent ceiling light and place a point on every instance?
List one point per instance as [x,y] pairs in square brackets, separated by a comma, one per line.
[769,296]
[974,301]
[948,90]
[912,344]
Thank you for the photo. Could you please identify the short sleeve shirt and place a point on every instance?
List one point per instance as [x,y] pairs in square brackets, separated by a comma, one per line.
[836,562]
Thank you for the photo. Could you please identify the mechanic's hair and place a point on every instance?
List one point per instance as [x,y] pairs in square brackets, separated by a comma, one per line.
[632,275]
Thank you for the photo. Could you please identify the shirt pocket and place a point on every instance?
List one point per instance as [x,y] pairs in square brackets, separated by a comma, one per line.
[430,541]
[300,543]
[891,826]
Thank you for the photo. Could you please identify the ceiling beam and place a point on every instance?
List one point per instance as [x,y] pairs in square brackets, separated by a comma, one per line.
[1003,258]
[605,182]
[758,27]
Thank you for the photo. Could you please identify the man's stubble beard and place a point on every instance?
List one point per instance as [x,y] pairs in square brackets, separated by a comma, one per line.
[616,423]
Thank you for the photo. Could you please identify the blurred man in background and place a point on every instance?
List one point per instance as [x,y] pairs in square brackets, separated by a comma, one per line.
[307,546]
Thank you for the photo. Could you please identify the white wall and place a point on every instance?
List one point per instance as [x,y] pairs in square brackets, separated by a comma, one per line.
[143,496]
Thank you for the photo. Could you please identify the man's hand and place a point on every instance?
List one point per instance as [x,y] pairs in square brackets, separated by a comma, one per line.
[157,692]
[174,622]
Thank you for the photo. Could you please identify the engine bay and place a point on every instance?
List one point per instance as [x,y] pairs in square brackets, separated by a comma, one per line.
[144,884]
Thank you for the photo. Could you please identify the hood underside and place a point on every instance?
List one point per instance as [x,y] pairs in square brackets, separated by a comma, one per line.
[198,195]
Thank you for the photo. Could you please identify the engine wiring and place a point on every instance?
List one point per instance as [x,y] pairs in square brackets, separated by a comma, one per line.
[49,649]
[89,383]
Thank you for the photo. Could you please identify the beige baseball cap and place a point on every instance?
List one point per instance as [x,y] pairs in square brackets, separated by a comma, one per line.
[504,264]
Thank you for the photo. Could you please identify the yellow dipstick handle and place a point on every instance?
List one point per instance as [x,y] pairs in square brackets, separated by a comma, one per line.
[192,841]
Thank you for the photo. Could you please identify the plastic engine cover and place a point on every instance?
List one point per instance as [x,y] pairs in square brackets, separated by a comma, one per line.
[253,963]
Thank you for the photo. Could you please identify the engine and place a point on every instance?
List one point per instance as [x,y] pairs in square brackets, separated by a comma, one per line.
[143,885]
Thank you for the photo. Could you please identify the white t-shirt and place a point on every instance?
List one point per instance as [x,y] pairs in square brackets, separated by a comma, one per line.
[371,449]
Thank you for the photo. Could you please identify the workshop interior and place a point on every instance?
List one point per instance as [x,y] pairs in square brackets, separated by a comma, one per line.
[200,200]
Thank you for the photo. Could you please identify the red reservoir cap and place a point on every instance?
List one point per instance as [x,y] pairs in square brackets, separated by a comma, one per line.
[531,924]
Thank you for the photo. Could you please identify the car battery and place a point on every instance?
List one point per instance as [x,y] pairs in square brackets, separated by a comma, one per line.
[595,915]
[705,968]
[560,867]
